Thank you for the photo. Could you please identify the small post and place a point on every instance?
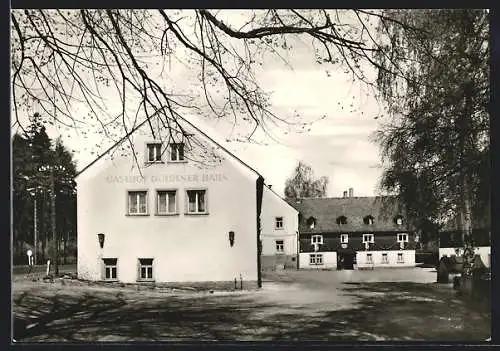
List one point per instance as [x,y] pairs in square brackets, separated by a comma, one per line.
[235,282]
[241,282]
[48,267]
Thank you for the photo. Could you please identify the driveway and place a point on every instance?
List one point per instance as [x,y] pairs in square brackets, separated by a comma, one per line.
[401,304]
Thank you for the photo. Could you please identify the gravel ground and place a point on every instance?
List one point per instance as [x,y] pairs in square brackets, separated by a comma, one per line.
[389,304]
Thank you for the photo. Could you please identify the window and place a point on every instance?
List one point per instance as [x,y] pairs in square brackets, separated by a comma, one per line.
[166,202]
[316,259]
[400,257]
[369,258]
[137,203]
[154,152]
[280,246]
[279,222]
[344,238]
[317,239]
[109,268]
[384,258]
[368,220]
[342,220]
[196,201]
[176,152]
[402,238]
[311,222]
[145,269]
[368,238]
[398,220]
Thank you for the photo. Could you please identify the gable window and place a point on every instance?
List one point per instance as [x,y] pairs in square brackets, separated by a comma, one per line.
[279,222]
[196,201]
[316,259]
[145,269]
[154,152]
[342,220]
[344,238]
[109,268]
[280,246]
[368,220]
[368,238]
[311,222]
[369,258]
[166,202]
[137,203]
[177,152]
[385,258]
[400,257]
[317,239]
[398,220]
[402,238]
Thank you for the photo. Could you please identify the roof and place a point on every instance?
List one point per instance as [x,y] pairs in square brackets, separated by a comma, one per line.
[325,211]
[191,124]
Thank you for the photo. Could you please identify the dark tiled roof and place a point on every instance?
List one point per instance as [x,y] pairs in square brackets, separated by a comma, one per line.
[325,211]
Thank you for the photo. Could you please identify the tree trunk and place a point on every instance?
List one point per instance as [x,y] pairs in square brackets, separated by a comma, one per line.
[466,218]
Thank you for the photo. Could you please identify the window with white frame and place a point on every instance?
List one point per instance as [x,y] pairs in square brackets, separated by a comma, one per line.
[145,269]
[109,268]
[154,152]
[137,202]
[402,238]
[344,238]
[317,239]
[368,238]
[197,202]
[385,258]
[400,257]
[316,259]
[176,152]
[369,258]
[166,202]
[280,246]
[279,222]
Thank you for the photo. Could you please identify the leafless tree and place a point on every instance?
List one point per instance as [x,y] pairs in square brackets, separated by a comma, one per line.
[67,58]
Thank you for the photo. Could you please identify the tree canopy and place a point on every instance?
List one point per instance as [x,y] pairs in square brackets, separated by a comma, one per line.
[303,183]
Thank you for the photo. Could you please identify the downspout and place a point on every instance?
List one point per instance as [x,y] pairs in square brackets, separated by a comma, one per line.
[259,192]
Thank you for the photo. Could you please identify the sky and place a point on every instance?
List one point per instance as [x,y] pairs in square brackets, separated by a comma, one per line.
[337,146]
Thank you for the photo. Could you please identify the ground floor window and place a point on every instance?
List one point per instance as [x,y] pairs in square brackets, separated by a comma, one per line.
[280,246]
[369,258]
[109,268]
[145,268]
[400,257]
[384,258]
[316,259]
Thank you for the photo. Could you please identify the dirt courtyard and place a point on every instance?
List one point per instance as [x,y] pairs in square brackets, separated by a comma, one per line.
[389,304]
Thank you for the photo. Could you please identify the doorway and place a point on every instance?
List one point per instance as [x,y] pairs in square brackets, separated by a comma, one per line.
[345,260]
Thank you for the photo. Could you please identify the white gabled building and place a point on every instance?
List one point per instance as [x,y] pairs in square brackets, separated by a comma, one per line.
[280,224]
[189,212]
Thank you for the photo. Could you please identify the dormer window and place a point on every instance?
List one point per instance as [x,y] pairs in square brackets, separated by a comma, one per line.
[154,152]
[368,220]
[342,220]
[176,152]
[398,220]
[311,222]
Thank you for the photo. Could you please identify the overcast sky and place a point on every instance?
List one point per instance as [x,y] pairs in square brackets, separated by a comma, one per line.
[337,146]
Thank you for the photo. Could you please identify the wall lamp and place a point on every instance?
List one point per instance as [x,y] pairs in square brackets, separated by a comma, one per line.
[231,238]
[101,239]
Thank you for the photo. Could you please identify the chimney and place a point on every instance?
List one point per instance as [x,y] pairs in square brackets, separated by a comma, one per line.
[345,194]
[351,192]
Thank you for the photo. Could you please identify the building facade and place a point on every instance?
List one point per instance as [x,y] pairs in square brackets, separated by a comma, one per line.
[176,212]
[354,233]
[279,232]
[451,243]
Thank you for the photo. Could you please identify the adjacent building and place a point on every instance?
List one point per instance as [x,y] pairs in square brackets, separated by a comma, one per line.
[354,233]
[279,232]
[451,243]
[160,207]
